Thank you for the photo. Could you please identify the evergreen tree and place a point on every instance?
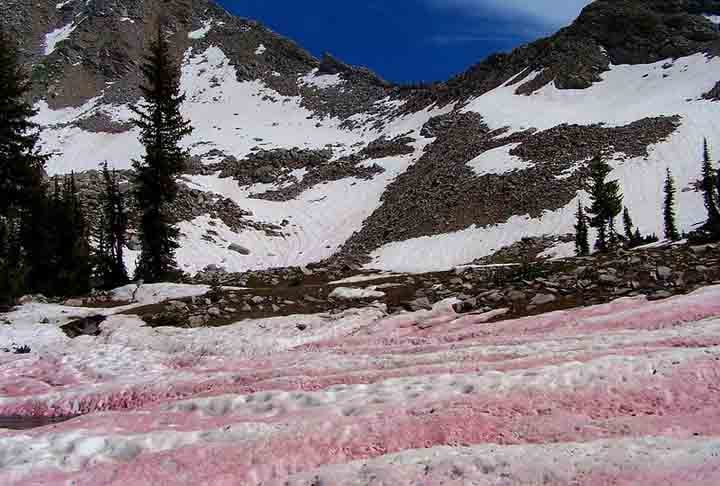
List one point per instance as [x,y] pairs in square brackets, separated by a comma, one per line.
[606,204]
[58,241]
[111,234]
[162,127]
[21,163]
[21,171]
[628,225]
[671,231]
[709,188]
[12,271]
[582,245]
[73,247]
[637,238]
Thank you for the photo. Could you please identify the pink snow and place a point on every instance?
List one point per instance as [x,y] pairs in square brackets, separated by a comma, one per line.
[622,393]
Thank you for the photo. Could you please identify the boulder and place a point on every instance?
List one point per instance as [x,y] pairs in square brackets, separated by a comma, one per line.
[88,326]
[238,249]
[543,299]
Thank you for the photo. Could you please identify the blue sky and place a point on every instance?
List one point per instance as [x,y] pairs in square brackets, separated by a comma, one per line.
[410,40]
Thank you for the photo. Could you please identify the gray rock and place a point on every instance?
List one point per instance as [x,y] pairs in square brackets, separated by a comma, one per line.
[608,279]
[238,249]
[133,243]
[258,299]
[543,299]
[659,295]
[664,273]
[214,269]
[516,296]
[29,299]
[176,305]
[214,312]
[196,321]
[495,296]
[421,303]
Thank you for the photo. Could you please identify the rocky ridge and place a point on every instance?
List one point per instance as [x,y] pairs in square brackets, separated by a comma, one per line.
[608,32]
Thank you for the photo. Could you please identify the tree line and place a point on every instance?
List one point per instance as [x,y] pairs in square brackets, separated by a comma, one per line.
[606,204]
[46,243]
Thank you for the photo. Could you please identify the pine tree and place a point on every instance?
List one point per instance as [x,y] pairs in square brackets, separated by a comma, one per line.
[709,188]
[111,234]
[628,225]
[606,204]
[21,171]
[21,163]
[162,127]
[65,248]
[638,238]
[582,245]
[671,231]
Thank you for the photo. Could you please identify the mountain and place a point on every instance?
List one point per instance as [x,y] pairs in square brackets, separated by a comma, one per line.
[296,160]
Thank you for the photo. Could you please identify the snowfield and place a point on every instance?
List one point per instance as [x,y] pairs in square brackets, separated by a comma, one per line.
[622,393]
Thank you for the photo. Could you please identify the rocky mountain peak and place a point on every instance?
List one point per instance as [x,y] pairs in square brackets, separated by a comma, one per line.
[81,50]
[332,65]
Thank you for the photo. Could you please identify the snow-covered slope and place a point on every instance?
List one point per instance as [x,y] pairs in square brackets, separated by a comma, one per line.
[235,117]
[622,393]
[626,94]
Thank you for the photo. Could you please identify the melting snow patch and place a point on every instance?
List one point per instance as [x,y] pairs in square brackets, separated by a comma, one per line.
[58,35]
[347,293]
[498,161]
[442,252]
[62,4]
[202,31]
[561,250]
[260,50]
[321,81]
[715,19]
[365,278]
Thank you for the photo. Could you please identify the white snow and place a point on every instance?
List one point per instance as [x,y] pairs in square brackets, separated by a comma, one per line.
[260,50]
[321,81]
[715,19]
[202,31]
[498,161]
[559,251]
[321,220]
[365,278]
[58,35]
[351,293]
[76,149]
[127,19]
[442,252]
[153,293]
[60,5]
[233,114]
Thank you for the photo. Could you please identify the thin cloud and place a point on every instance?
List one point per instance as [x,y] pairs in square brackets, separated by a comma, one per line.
[449,39]
[547,13]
